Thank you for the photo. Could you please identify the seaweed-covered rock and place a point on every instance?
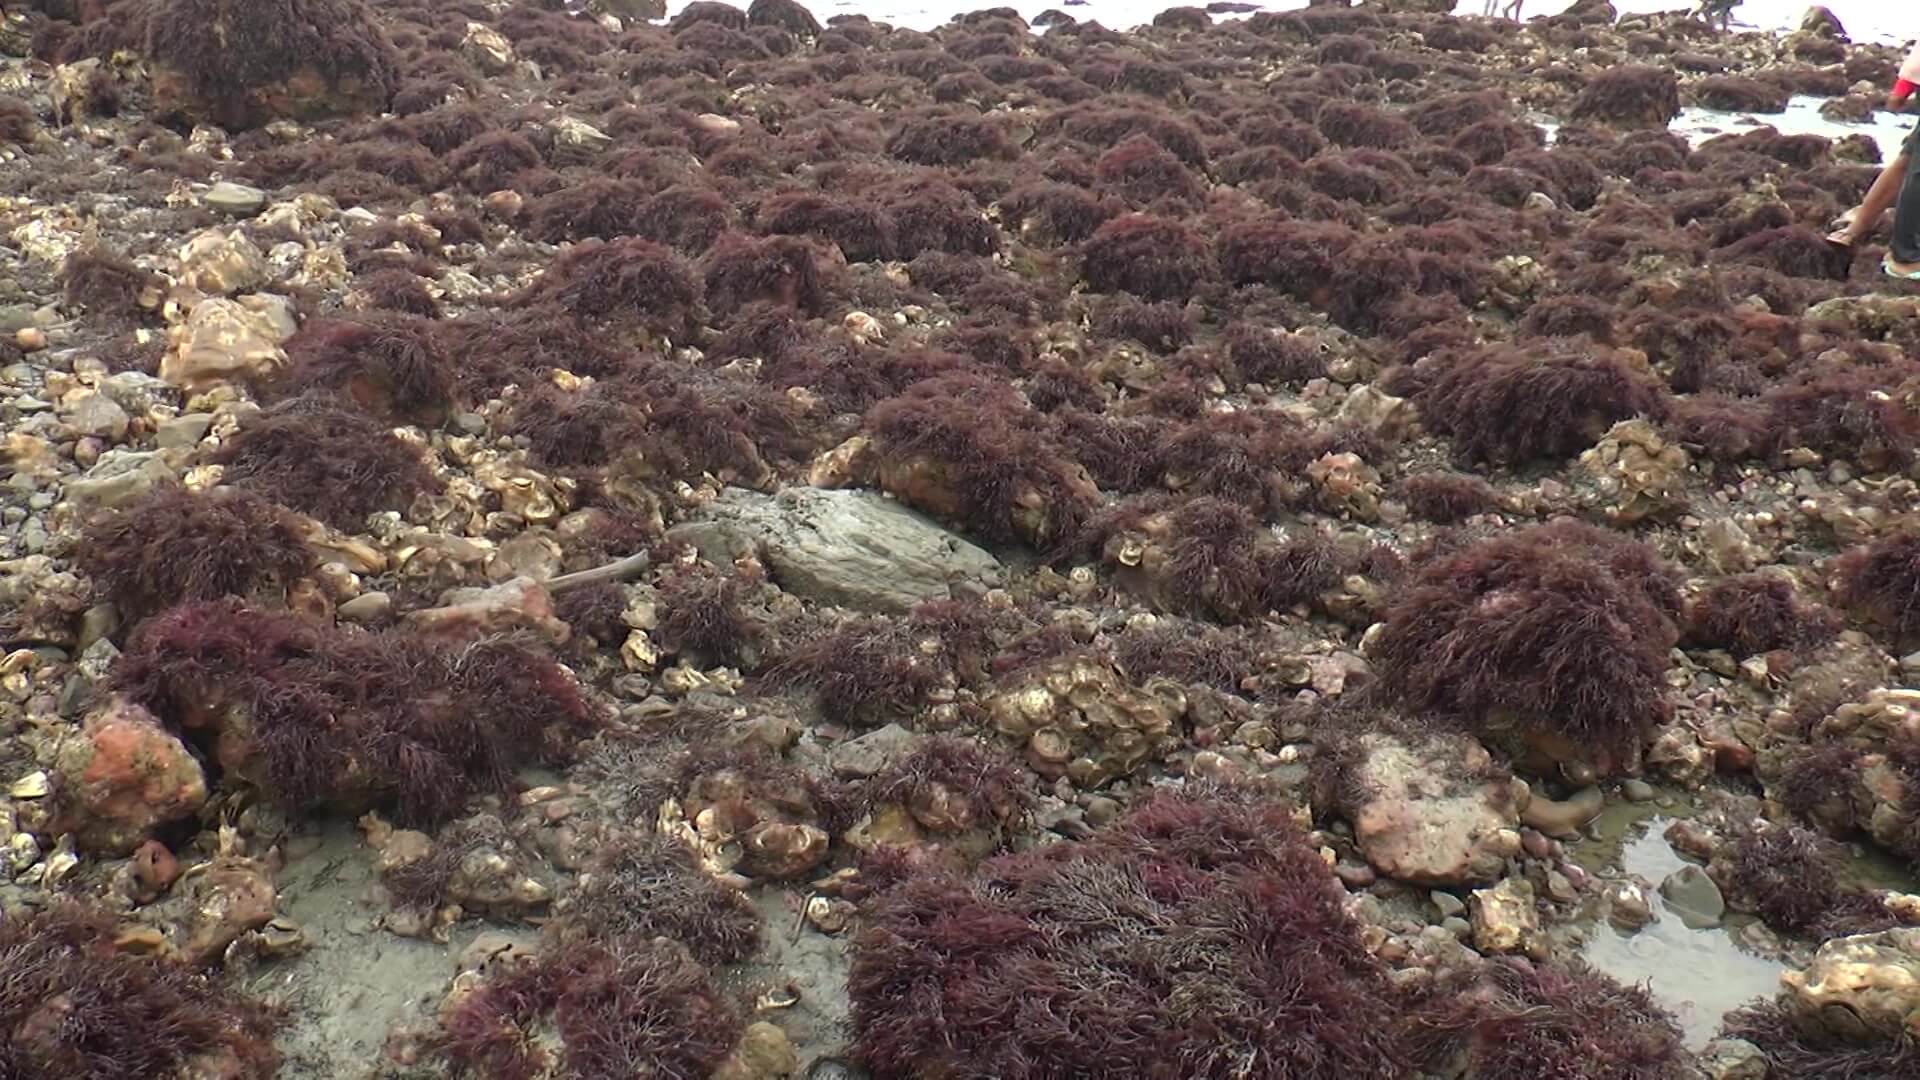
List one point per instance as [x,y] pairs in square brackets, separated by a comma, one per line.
[242,63]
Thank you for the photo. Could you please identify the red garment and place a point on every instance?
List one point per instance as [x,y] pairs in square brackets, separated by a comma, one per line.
[1904,88]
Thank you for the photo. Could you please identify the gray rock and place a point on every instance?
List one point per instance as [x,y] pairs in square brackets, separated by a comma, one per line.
[185,430]
[857,759]
[97,414]
[238,200]
[119,479]
[1448,904]
[1637,791]
[857,549]
[1734,1059]
[1693,896]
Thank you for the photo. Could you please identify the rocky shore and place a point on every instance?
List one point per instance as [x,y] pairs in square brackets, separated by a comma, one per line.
[538,540]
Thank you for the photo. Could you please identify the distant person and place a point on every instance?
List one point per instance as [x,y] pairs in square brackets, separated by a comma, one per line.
[1718,11]
[1858,223]
[1511,10]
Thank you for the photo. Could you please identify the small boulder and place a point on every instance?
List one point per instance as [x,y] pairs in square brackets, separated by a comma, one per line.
[1692,895]
[1868,981]
[1434,812]
[857,549]
[224,341]
[121,776]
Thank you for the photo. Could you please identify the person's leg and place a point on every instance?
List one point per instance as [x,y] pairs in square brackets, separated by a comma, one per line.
[1904,255]
[1866,217]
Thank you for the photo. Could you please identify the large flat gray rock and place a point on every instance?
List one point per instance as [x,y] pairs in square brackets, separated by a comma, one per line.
[857,549]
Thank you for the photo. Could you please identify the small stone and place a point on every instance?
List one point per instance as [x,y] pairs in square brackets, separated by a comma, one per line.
[34,785]
[365,609]
[487,49]
[1693,896]
[1628,906]
[183,431]
[1637,791]
[764,1053]
[1734,1059]
[1448,904]
[857,759]
[238,200]
[232,897]
[1559,889]
[1101,811]
[96,414]
[1504,918]
[1460,928]
[30,338]
[226,340]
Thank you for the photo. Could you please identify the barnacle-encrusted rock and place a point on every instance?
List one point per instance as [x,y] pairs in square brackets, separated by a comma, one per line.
[225,340]
[230,896]
[1434,812]
[1636,473]
[1868,984]
[1078,718]
[763,821]
[1347,485]
[487,49]
[222,262]
[1504,918]
[122,775]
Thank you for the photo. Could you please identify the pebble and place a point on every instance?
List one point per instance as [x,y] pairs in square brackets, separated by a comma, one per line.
[1637,791]
[1910,665]
[368,607]
[1457,926]
[1692,895]
[238,200]
[185,430]
[1448,904]
[30,338]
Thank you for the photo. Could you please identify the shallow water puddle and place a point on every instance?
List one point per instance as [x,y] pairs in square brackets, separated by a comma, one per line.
[1801,118]
[1698,974]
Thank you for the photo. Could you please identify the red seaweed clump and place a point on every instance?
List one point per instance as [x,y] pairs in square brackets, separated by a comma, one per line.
[75,1004]
[1559,629]
[1515,1019]
[1092,957]
[335,465]
[173,546]
[317,716]
[1755,613]
[1510,405]
[617,1007]
[1881,581]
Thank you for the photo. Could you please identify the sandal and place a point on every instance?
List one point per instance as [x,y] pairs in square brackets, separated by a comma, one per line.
[1886,267]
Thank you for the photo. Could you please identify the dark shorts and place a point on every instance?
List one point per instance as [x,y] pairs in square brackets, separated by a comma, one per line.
[1912,141]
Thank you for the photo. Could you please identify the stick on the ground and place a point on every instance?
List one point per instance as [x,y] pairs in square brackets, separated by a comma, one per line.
[618,570]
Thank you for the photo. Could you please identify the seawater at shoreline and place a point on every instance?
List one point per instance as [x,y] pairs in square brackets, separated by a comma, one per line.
[1865,20]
